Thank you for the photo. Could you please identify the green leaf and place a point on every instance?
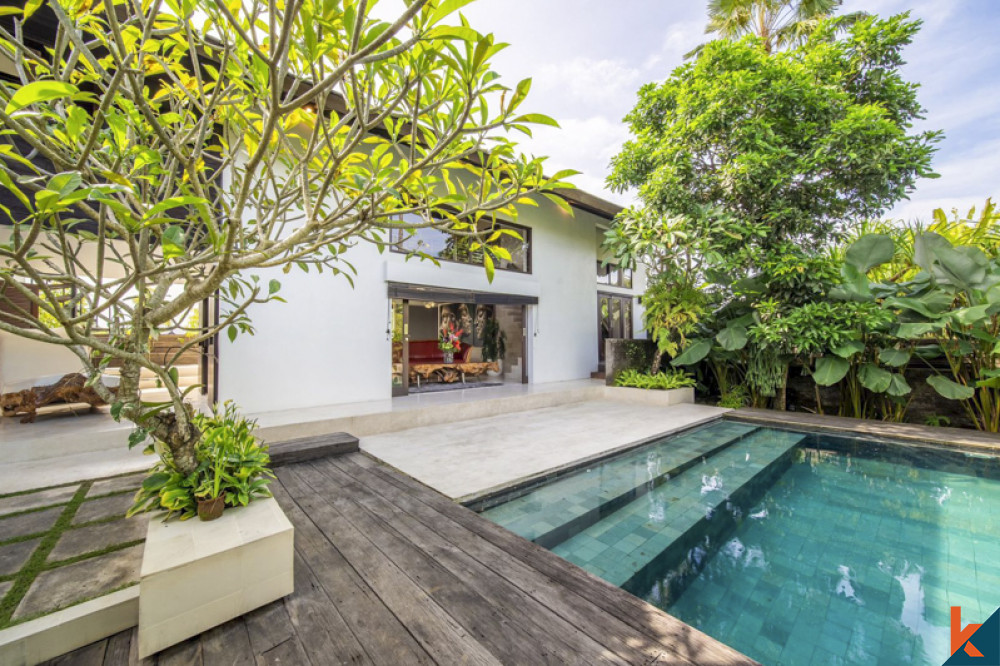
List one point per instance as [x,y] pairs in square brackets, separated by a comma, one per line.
[463,33]
[40,91]
[874,378]
[898,386]
[870,251]
[490,268]
[537,119]
[155,481]
[173,242]
[174,202]
[849,349]
[732,338]
[830,370]
[946,388]
[693,353]
[917,330]
[970,316]
[273,287]
[894,358]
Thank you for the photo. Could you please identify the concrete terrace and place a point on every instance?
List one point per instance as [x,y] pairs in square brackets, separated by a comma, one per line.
[389,571]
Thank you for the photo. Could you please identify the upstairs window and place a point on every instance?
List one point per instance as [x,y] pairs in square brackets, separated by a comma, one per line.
[614,275]
[449,247]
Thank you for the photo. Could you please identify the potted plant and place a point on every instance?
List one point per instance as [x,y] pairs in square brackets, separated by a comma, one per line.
[450,341]
[232,470]
[494,346]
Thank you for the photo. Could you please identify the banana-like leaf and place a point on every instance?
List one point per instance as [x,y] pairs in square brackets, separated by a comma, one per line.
[732,338]
[971,315]
[874,378]
[898,386]
[830,370]
[894,358]
[946,388]
[849,349]
[917,330]
[693,353]
[870,251]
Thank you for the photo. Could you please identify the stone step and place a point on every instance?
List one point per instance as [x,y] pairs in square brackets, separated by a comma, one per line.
[621,545]
[551,514]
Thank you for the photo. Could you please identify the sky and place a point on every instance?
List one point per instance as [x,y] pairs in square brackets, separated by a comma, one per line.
[588,59]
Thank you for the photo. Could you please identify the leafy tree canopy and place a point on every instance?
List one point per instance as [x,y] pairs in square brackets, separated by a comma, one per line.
[801,141]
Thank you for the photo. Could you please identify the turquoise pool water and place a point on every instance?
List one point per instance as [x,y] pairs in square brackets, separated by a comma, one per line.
[793,547]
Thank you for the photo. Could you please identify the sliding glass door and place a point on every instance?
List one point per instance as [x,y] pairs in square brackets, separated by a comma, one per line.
[614,314]
[399,328]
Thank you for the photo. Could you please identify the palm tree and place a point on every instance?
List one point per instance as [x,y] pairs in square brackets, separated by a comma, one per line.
[778,23]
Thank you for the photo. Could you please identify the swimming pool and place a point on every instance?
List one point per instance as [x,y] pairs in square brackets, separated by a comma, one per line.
[792,547]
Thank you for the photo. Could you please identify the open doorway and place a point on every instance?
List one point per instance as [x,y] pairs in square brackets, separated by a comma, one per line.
[441,345]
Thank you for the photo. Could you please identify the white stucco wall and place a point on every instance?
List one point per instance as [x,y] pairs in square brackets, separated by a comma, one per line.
[329,343]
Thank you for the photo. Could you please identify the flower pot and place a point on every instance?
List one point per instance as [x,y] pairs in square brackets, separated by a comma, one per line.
[449,357]
[210,509]
[497,372]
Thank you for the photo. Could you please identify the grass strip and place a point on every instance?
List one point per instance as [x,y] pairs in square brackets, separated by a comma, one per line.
[36,563]
[92,554]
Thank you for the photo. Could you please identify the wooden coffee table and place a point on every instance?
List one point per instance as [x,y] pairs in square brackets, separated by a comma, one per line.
[450,372]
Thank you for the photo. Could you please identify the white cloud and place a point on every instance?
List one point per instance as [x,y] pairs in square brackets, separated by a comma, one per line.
[589,80]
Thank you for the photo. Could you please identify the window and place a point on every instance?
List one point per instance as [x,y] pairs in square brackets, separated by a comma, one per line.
[613,275]
[449,247]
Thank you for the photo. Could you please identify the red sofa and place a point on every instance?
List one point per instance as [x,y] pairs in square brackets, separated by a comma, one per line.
[427,351]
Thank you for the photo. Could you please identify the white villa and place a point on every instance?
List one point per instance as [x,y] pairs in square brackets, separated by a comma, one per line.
[332,343]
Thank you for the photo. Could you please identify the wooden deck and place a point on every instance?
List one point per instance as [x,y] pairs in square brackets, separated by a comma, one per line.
[388,571]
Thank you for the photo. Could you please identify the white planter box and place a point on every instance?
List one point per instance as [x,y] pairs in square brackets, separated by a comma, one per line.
[650,396]
[197,575]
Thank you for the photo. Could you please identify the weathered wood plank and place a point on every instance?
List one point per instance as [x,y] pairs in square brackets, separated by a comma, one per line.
[578,610]
[382,635]
[268,627]
[311,448]
[682,642]
[88,655]
[324,634]
[483,620]
[533,626]
[440,635]
[289,653]
[117,652]
[187,653]
[227,643]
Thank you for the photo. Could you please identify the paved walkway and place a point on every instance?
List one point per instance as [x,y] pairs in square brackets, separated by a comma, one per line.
[466,459]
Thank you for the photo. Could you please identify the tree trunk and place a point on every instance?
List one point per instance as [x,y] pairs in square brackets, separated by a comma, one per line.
[172,428]
[657,360]
[781,396]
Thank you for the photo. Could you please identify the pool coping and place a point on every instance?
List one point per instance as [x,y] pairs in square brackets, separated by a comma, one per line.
[561,470]
[968,440]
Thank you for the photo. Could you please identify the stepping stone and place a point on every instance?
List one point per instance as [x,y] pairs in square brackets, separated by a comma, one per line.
[29,523]
[15,555]
[4,587]
[106,507]
[60,587]
[83,540]
[37,499]
[116,484]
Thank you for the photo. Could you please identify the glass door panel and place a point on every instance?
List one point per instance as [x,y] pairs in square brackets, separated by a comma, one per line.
[400,353]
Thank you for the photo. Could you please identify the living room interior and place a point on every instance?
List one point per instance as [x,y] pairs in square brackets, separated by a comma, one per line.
[456,345]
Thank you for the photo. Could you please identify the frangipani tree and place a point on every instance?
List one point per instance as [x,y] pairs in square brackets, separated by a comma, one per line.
[159,150]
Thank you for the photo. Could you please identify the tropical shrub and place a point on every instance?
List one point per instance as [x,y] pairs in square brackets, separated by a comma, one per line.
[232,465]
[661,381]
